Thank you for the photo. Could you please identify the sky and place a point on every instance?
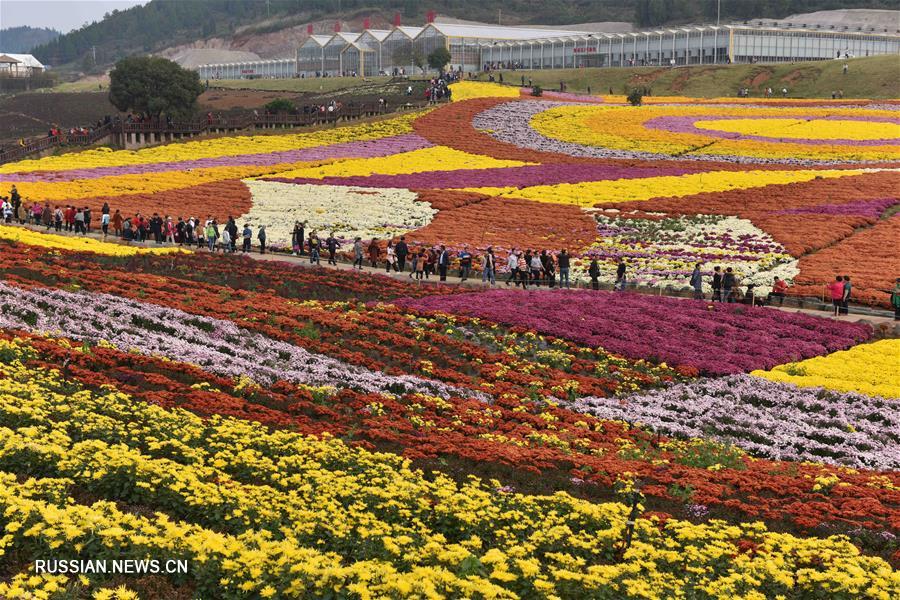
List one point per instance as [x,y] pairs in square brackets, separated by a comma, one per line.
[62,15]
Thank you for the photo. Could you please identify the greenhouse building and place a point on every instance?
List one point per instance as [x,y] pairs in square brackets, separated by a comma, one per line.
[479,47]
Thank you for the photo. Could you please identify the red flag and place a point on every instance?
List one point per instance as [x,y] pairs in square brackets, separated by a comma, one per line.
[309,29]
[366,23]
[397,20]
[337,26]
[430,17]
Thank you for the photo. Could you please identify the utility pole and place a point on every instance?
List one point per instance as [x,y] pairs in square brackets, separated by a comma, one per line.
[267,9]
[718,11]
[499,13]
[94,54]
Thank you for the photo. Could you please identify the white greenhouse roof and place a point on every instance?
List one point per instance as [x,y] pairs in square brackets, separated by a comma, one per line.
[410,32]
[499,32]
[23,59]
[378,34]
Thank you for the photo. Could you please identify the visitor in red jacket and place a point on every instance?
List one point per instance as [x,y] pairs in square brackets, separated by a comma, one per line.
[836,288]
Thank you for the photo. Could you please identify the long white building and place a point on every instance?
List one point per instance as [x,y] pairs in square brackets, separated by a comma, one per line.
[476,47]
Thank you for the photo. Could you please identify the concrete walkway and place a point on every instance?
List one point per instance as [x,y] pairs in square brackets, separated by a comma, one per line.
[883,320]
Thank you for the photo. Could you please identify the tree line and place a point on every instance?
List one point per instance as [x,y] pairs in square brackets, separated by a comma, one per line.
[164,23]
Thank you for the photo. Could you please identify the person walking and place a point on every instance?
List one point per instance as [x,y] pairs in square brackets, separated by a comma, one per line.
[117,223]
[562,260]
[247,237]
[523,271]
[104,223]
[697,282]
[431,258]
[836,290]
[594,273]
[488,265]
[315,248]
[402,251]
[79,219]
[358,253]
[16,200]
[261,236]
[170,231]
[331,243]
[717,284]
[779,289]
[536,267]
[156,228]
[443,263]
[374,251]
[232,232]
[512,262]
[210,236]
[895,298]
[465,263]
[420,265]
[226,240]
[391,257]
[845,299]
[620,275]
[413,263]
[57,219]
[728,284]
[87,219]
[297,239]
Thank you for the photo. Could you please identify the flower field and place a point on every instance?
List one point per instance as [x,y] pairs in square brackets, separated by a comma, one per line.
[303,432]
[811,183]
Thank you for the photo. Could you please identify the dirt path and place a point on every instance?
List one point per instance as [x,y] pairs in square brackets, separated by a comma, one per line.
[882,320]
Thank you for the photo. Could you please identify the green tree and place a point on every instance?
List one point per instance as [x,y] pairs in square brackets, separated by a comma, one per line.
[154,86]
[281,105]
[439,59]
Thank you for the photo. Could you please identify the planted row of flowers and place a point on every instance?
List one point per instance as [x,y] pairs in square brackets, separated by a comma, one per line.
[776,420]
[217,345]
[661,130]
[664,251]
[237,146]
[715,338]
[866,369]
[260,514]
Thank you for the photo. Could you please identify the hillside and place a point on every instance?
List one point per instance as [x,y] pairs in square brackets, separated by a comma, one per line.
[22,39]
[874,77]
[169,23]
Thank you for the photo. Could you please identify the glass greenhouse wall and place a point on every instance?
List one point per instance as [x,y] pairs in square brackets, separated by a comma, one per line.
[478,47]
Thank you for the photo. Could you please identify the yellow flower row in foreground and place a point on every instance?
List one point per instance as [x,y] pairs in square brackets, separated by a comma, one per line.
[215,147]
[872,369]
[75,244]
[276,514]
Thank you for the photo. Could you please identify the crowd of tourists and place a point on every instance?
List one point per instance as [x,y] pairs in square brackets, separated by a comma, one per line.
[525,267]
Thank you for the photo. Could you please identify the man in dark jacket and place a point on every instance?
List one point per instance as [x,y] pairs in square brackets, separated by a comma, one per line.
[443,263]
[401,250]
[594,272]
[156,228]
[717,284]
[331,243]
[620,275]
[728,283]
[232,232]
[562,259]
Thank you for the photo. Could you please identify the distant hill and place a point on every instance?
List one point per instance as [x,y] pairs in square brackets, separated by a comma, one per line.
[20,40]
[170,23]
